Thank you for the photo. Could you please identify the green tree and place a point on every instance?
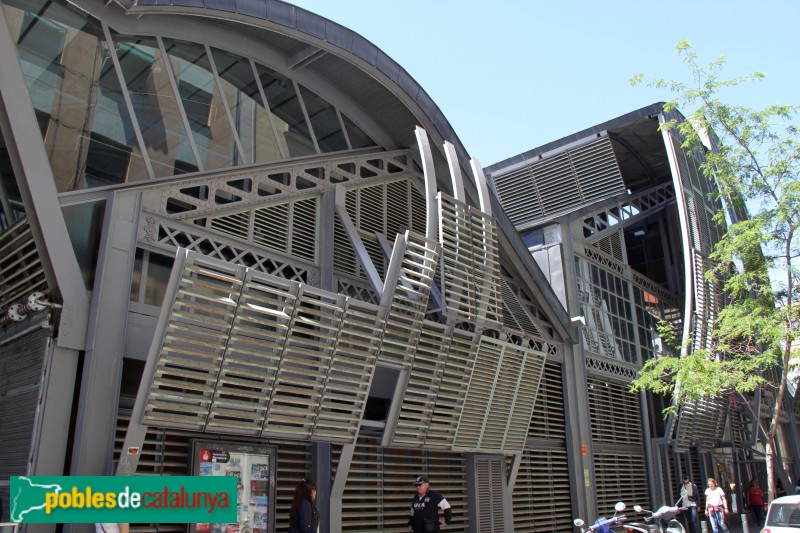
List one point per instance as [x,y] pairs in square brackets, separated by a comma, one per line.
[755,162]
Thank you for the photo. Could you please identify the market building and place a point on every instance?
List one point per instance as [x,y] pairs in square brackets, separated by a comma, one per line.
[238,228]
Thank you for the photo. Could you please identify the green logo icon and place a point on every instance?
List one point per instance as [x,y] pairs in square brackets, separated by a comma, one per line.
[107,499]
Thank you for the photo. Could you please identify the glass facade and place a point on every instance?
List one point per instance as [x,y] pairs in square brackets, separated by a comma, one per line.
[605,303]
[146,107]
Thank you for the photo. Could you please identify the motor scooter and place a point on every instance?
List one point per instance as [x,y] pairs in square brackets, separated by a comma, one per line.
[662,520]
[606,525]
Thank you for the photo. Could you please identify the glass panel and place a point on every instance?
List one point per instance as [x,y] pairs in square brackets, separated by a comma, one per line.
[203,105]
[286,112]
[84,225]
[159,268]
[9,189]
[76,95]
[324,121]
[358,139]
[247,108]
[136,275]
[154,104]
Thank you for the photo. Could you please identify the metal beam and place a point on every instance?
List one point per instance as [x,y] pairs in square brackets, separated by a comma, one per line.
[39,194]
[102,366]
[135,434]
[337,487]
[431,211]
[363,257]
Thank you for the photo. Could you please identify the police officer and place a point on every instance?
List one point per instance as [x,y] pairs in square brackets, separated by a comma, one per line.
[425,509]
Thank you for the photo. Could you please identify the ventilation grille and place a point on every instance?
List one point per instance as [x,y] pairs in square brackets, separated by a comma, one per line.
[543,477]
[621,477]
[388,209]
[21,271]
[611,245]
[560,183]
[262,356]
[378,493]
[614,413]
[214,192]
[501,397]
[489,481]
[548,420]
[289,228]
[169,235]
[515,315]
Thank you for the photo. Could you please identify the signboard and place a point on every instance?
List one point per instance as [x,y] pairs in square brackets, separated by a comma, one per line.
[253,466]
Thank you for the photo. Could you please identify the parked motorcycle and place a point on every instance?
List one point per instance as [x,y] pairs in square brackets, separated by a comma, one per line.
[605,525]
[662,520]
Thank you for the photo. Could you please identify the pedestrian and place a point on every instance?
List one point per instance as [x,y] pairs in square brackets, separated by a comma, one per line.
[425,509]
[716,506]
[304,515]
[689,496]
[755,497]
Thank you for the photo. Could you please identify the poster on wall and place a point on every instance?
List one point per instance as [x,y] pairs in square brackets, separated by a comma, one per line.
[254,469]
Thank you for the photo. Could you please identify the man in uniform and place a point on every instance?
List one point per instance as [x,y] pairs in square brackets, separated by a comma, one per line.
[425,509]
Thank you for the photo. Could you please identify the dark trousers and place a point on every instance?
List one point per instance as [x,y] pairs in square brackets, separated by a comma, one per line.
[690,515]
[758,514]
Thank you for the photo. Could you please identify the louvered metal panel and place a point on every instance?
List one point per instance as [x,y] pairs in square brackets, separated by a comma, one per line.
[250,364]
[617,436]
[422,389]
[263,356]
[21,372]
[701,423]
[621,477]
[514,314]
[560,183]
[470,267]
[489,481]
[614,413]
[548,420]
[386,208]
[193,346]
[501,397]
[409,300]
[452,391]
[289,228]
[542,496]
[379,490]
[519,196]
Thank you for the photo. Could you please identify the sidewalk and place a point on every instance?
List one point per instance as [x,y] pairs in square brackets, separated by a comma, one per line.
[734,524]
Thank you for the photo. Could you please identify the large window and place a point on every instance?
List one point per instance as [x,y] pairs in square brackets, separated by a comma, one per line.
[148,107]
[605,304]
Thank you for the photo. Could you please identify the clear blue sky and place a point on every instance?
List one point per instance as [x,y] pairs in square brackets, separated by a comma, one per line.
[511,75]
